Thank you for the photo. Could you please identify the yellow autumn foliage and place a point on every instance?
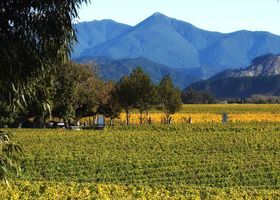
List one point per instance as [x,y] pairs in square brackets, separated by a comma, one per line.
[208,114]
[204,117]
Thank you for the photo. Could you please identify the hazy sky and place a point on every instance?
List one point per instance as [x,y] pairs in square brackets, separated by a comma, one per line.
[215,15]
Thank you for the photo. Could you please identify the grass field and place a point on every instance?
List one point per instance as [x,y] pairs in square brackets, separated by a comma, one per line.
[183,161]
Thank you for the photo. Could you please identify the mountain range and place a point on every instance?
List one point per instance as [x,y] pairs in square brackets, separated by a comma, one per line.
[111,69]
[172,43]
[261,77]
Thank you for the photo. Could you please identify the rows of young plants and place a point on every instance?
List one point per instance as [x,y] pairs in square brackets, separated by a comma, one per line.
[205,113]
[232,155]
[231,108]
[52,190]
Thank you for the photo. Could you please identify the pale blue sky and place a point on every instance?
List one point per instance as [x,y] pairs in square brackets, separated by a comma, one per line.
[214,15]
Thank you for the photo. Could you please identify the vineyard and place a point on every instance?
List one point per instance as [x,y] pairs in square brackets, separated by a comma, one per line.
[183,161]
[209,114]
[94,110]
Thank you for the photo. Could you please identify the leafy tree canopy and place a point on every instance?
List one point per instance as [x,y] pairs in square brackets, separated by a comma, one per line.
[170,97]
[35,37]
[76,94]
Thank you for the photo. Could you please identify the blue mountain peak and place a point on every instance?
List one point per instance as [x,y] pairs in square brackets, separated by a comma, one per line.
[174,43]
[158,14]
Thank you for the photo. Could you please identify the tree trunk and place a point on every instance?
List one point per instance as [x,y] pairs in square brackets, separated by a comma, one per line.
[93,120]
[150,120]
[65,123]
[190,120]
[38,122]
[77,121]
[168,119]
[141,117]
[127,117]
[111,122]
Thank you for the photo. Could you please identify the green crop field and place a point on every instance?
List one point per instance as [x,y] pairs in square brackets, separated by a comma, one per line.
[192,161]
[231,108]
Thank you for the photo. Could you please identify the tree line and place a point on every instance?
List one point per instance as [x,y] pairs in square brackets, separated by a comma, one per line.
[76,92]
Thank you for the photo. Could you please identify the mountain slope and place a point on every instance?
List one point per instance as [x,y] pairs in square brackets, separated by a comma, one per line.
[154,39]
[179,44]
[237,49]
[266,65]
[90,34]
[110,69]
[262,77]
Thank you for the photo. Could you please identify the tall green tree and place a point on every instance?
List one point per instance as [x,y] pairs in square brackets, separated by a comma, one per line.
[75,93]
[126,93]
[109,105]
[170,98]
[145,92]
[35,38]
[136,91]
